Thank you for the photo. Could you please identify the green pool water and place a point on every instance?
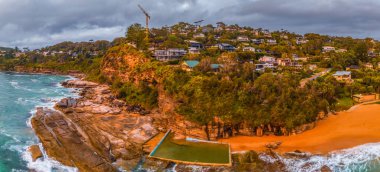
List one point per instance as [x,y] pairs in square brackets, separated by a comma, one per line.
[199,152]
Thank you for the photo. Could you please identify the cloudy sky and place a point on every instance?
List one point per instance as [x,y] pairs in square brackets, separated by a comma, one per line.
[38,23]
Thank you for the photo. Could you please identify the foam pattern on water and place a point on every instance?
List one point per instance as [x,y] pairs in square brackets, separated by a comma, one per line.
[364,158]
[20,94]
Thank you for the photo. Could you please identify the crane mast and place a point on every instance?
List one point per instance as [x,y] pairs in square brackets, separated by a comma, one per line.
[147,19]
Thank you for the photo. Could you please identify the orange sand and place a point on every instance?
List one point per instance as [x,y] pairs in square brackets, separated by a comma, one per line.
[359,125]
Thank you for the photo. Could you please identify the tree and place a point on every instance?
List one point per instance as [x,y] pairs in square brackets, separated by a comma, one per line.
[136,34]
[361,52]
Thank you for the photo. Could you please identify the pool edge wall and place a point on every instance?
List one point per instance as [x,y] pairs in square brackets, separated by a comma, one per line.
[151,155]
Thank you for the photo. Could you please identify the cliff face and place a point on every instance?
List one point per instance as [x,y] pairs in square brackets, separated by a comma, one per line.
[127,64]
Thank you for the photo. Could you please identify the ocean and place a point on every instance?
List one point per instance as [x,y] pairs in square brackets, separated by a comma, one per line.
[363,158]
[20,94]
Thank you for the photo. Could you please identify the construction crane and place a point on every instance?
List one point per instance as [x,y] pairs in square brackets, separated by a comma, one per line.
[198,23]
[147,22]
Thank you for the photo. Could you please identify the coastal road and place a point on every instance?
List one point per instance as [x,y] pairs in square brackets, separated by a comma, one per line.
[315,76]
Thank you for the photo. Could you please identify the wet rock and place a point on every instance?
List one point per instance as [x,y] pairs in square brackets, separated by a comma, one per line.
[36,152]
[79,84]
[325,169]
[67,102]
[65,143]
[296,154]
[128,165]
[155,165]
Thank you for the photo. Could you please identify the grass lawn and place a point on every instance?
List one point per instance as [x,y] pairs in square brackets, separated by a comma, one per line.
[197,152]
[344,104]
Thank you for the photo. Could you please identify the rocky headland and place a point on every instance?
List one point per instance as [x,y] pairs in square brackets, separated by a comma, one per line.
[93,131]
[97,132]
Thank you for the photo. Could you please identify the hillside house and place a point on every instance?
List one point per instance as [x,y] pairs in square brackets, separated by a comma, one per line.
[283,36]
[344,76]
[256,32]
[258,41]
[262,66]
[193,50]
[368,66]
[328,49]
[169,54]
[226,47]
[272,42]
[207,29]
[372,53]
[195,47]
[341,50]
[199,35]
[267,33]
[242,39]
[2,53]
[267,59]
[352,67]
[19,54]
[220,26]
[313,67]
[249,49]
[301,41]
[195,44]
[215,67]
[284,62]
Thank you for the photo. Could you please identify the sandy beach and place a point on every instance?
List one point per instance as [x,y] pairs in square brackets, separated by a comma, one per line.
[357,126]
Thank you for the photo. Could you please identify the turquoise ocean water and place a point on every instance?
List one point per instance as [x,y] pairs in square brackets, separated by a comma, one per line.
[20,94]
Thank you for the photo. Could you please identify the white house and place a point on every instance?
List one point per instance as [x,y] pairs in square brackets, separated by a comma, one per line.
[169,54]
[258,41]
[199,35]
[249,49]
[226,47]
[328,48]
[263,66]
[343,76]
[242,39]
[271,41]
[301,41]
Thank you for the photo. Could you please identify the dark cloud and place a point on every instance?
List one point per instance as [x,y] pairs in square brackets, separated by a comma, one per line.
[36,23]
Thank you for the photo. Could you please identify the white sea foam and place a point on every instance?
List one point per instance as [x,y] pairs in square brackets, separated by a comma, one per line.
[46,164]
[360,158]
[16,85]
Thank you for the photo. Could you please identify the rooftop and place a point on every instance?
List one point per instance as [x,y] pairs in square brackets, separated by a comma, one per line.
[342,73]
[191,63]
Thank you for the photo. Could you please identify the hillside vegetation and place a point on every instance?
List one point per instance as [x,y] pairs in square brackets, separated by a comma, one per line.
[237,99]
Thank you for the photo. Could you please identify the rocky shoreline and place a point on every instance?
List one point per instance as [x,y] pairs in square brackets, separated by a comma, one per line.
[93,131]
[97,132]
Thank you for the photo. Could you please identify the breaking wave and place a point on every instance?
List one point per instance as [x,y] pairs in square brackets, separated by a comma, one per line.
[364,158]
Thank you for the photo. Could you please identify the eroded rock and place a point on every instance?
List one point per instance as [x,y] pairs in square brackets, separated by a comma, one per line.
[36,152]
